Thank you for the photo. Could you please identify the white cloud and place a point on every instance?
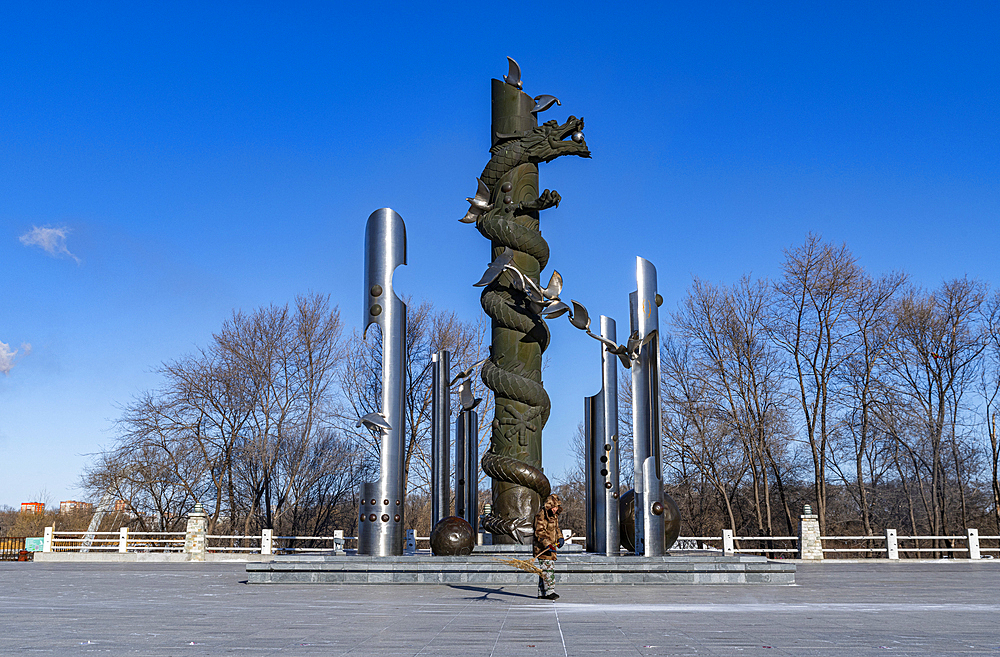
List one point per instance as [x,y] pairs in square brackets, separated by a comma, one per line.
[52,240]
[8,358]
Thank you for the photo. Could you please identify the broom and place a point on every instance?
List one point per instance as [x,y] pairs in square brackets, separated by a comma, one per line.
[527,565]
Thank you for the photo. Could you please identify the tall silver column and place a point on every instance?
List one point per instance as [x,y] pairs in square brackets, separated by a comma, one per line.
[440,437]
[601,424]
[467,463]
[609,373]
[380,532]
[646,414]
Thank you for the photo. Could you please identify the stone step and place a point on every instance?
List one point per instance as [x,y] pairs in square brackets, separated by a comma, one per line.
[575,569]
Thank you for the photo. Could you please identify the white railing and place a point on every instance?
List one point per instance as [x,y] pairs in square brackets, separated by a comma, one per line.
[889,544]
[121,541]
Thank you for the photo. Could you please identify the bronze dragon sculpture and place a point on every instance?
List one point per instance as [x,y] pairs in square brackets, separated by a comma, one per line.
[506,211]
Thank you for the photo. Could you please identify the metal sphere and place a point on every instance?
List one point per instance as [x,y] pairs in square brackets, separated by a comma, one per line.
[578,137]
[452,537]
[626,521]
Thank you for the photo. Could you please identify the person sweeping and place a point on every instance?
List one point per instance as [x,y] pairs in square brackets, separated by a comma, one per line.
[547,539]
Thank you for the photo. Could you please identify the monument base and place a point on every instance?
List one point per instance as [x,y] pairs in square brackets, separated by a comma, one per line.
[687,568]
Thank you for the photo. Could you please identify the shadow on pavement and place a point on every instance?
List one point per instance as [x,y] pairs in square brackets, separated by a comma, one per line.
[486,592]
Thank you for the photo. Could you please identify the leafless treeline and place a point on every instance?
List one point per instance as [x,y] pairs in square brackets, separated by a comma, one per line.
[866,397]
[871,399]
[259,426]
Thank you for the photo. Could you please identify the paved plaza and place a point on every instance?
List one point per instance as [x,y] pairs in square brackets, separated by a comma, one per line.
[843,609]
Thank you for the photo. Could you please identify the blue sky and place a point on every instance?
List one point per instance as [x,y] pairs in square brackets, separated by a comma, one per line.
[199,160]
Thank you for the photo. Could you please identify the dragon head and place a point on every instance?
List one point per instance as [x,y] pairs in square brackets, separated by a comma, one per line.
[549,140]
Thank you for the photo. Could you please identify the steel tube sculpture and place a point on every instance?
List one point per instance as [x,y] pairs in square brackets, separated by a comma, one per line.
[601,424]
[440,436]
[649,536]
[380,530]
[467,459]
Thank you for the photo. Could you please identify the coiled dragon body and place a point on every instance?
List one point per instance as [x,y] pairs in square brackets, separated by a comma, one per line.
[520,336]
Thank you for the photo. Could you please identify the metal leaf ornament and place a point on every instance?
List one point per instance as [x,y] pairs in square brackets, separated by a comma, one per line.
[580,317]
[465,397]
[496,268]
[478,204]
[544,102]
[556,309]
[554,288]
[374,422]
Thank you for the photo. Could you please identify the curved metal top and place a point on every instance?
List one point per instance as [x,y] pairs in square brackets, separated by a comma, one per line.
[384,233]
[646,314]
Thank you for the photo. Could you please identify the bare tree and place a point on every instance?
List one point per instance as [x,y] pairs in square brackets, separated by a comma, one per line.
[990,391]
[235,425]
[935,362]
[812,323]
[741,371]
[873,330]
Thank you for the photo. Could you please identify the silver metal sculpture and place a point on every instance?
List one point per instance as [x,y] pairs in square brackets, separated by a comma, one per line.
[546,301]
[649,537]
[380,530]
[601,459]
[440,436]
[467,456]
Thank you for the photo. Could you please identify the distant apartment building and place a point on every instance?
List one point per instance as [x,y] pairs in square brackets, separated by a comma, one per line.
[73,505]
[33,507]
[121,505]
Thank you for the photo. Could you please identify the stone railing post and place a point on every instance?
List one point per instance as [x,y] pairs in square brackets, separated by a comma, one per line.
[194,537]
[973,543]
[47,540]
[891,544]
[728,549]
[123,540]
[810,545]
[338,539]
[266,541]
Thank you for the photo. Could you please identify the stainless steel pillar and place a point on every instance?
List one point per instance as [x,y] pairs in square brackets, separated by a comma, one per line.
[648,487]
[440,437]
[380,532]
[467,466]
[609,361]
[601,459]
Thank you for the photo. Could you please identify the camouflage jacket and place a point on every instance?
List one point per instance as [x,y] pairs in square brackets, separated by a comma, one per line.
[546,528]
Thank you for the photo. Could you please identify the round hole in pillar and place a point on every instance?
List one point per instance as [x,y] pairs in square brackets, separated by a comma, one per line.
[376,290]
[374,502]
[362,517]
[385,502]
[376,310]
[396,518]
[604,472]
[607,448]
[604,459]
[372,517]
[385,517]
[607,484]
[397,502]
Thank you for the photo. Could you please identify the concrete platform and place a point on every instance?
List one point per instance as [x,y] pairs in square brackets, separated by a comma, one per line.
[877,608]
[569,569]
